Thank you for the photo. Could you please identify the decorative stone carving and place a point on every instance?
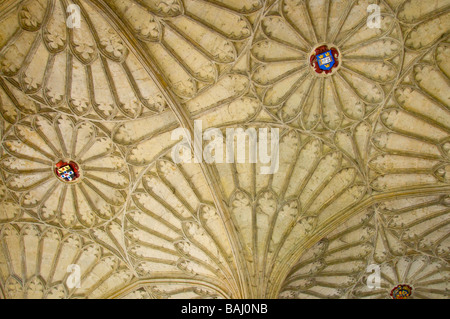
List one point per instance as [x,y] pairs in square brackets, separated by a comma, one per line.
[364,167]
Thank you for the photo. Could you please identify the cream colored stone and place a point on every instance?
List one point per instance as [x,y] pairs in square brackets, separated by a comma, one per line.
[364,166]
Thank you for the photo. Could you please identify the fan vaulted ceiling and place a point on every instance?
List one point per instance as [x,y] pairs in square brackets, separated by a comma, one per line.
[364,170]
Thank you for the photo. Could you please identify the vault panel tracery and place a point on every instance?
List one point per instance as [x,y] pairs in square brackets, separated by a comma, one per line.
[364,148]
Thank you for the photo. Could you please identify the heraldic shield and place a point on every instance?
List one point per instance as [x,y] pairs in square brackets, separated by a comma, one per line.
[325,60]
[68,172]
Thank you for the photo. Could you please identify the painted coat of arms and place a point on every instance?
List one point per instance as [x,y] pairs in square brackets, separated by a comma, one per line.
[401,292]
[323,60]
[67,171]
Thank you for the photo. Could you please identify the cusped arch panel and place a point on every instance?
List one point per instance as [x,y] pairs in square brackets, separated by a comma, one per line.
[81,68]
[33,152]
[400,241]
[52,258]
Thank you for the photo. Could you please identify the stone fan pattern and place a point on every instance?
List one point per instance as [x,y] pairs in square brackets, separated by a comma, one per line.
[49,251]
[291,90]
[364,166]
[391,235]
[33,148]
[86,71]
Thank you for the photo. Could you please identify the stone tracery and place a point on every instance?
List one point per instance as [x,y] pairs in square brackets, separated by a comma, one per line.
[364,150]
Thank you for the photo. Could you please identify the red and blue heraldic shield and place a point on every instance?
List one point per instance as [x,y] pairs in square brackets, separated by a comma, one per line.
[325,60]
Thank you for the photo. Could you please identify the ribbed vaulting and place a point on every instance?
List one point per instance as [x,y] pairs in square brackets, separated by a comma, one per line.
[364,149]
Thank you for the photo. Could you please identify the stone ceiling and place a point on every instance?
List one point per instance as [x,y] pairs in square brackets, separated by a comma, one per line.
[364,170]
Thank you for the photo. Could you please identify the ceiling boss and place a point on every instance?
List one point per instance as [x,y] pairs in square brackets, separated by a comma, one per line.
[401,292]
[67,171]
[324,60]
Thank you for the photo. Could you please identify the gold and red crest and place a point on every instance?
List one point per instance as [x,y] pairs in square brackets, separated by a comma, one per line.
[401,292]
[67,172]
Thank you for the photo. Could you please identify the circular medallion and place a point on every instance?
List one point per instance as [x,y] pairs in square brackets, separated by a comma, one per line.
[67,171]
[325,59]
[401,292]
